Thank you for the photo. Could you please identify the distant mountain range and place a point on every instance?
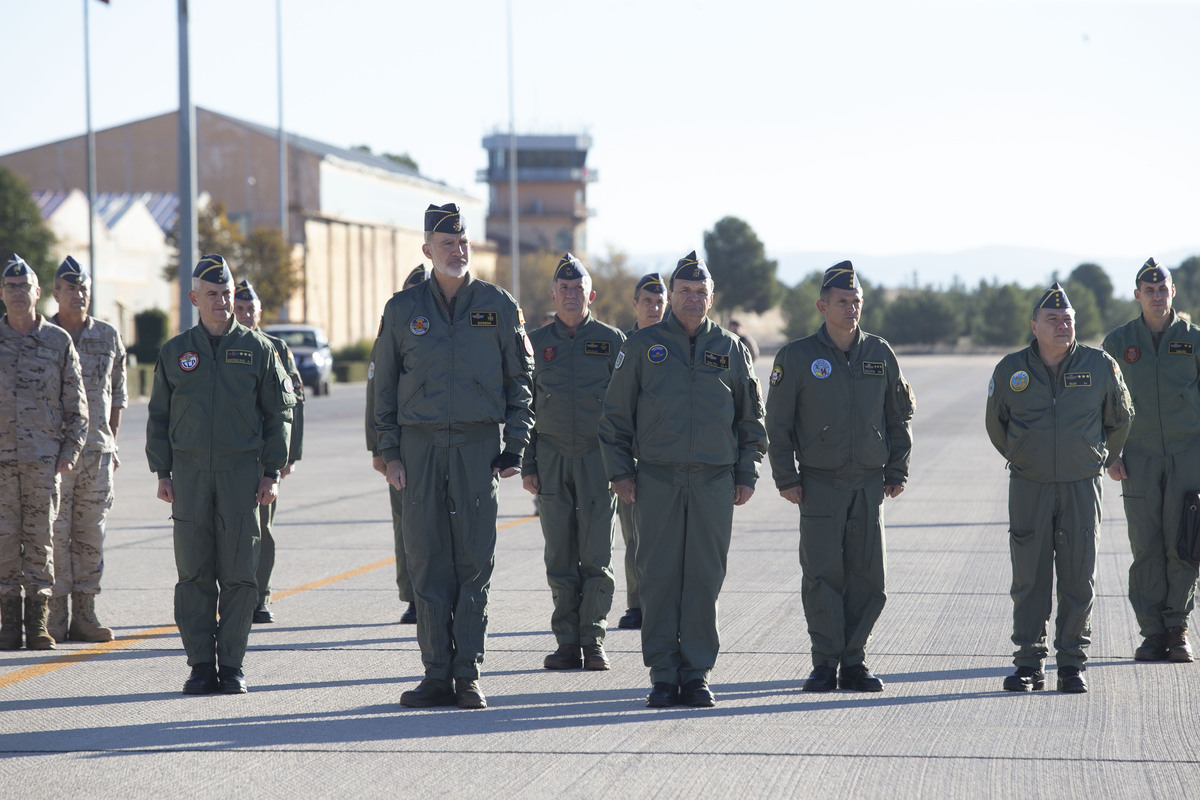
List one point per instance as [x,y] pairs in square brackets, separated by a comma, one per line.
[1022,265]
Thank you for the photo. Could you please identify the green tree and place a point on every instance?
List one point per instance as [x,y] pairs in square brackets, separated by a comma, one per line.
[1001,314]
[1186,278]
[401,158]
[22,230]
[1096,279]
[799,307]
[924,316]
[266,262]
[744,276]
[1089,322]
[215,233]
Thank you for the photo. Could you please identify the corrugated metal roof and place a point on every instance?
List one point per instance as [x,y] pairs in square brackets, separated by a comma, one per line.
[112,206]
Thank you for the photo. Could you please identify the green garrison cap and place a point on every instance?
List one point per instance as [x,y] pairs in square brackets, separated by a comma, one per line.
[840,276]
[569,268]
[213,269]
[1151,272]
[1055,297]
[245,291]
[443,219]
[691,268]
[69,271]
[415,277]
[652,282]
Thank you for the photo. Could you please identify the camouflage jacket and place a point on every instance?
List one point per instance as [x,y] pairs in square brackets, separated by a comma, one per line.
[102,359]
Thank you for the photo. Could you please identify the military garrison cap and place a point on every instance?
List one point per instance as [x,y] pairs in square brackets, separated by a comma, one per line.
[569,268]
[415,277]
[840,276]
[213,269]
[443,219]
[1151,272]
[1055,297]
[245,291]
[651,283]
[17,268]
[691,268]
[69,271]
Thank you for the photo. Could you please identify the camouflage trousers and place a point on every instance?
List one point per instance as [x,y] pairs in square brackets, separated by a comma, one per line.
[28,506]
[86,495]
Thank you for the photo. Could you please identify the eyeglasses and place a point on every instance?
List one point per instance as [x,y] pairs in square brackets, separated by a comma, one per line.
[18,288]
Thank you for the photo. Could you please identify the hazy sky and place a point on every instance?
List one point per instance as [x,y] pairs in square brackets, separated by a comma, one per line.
[866,127]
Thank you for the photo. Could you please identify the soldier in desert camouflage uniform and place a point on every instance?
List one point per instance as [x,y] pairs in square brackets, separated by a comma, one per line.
[86,493]
[43,427]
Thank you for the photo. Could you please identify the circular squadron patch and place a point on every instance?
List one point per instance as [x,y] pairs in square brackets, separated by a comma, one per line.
[822,369]
[657,354]
[1019,381]
[189,361]
[419,326]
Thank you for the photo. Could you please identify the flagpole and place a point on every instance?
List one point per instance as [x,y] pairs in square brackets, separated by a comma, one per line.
[188,233]
[91,154]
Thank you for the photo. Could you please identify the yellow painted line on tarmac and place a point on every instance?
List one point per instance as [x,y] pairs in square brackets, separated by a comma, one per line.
[66,659]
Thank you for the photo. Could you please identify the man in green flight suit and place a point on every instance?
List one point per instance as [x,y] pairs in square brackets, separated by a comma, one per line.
[452,365]
[1159,356]
[217,435]
[248,308]
[395,496]
[1058,412]
[573,361]
[683,401]
[839,424]
[650,304]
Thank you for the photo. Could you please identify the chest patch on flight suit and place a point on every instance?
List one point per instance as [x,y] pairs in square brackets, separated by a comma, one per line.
[776,375]
[872,368]
[716,360]
[1132,354]
[1180,348]
[240,357]
[656,354]
[483,319]
[1019,381]
[822,369]
[48,353]
[597,348]
[549,353]
[418,327]
[1074,379]
[189,361]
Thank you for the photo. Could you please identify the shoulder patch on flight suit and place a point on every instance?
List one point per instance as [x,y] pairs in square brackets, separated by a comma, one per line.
[1019,381]
[418,327]
[991,387]
[597,348]
[656,354]
[520,316]
[484,319]
[1132,354]
[370,370]
[189,361]
[872,367]
[1073,379]
[716,360]
[776,375]
[620,360]
[241,357]
[1180,348]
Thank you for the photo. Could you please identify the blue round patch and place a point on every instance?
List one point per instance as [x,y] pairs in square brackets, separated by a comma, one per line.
[821,369]
[1019,381]
[419,326]
[657,354]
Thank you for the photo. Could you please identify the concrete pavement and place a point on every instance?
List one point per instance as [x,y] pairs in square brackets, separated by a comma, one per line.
[322,717]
